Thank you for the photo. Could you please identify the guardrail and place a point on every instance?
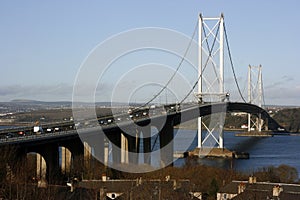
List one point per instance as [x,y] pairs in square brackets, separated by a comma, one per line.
[36,136]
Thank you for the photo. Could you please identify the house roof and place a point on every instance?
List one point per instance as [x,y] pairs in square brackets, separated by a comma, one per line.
[267,186]
[127,185]
[257,195]
[262,190]
[251,195]
[232,188]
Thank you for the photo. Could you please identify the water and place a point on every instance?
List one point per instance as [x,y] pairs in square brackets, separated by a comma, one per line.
[5,127]
[264,152]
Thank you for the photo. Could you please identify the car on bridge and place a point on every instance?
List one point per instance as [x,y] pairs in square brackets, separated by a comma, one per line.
[49,130]
[10,135]
[175,107]
[38,130]
[21,133]
[139,112]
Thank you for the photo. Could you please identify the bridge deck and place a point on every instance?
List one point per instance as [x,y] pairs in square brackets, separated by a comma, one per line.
[177,116]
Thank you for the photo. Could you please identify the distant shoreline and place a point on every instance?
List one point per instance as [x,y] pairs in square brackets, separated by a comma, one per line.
[16,124]
[192,128]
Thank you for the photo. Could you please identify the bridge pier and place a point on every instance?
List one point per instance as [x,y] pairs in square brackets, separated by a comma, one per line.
[87,155]
[124,148]
[266,124]
[146,143]
[52,160]
[15,158]
[95,147]
[130,147]
[76,149]
[41,168]
[115,138]
[75,159]
[50,153]
[123,144]
[66,159]
[166,136]
[134,145]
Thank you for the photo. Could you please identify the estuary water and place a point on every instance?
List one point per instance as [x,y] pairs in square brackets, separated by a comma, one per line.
[264,151]
[5,127]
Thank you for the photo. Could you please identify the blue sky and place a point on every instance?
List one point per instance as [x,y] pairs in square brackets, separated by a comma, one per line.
[44,43]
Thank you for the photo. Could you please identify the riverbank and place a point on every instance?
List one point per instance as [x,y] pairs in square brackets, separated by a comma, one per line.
[16,124]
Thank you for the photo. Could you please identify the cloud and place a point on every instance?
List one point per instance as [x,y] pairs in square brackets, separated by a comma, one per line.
[282,81]
[58,92]
[283,95]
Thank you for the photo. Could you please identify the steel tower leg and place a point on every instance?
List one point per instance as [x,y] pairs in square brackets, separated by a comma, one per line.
[221,140]
[255,94]
[211,57]
[249,96]
[200,80]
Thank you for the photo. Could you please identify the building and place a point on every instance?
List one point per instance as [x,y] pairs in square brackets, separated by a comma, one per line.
[241,190]
[129,189]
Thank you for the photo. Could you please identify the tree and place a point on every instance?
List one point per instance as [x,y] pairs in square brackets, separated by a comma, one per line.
[282,173]
[214,188]
[287,174]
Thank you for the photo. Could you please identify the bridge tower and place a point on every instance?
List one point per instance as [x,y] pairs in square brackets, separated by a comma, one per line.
[211,77]
[255,96]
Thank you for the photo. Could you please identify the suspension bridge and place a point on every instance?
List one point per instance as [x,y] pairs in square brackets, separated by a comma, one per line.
[211,99]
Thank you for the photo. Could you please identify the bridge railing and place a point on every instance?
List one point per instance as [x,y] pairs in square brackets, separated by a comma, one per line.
[36,136]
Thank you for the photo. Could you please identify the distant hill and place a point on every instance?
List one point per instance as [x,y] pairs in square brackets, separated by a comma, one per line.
[28,102]
[289,119]
[23,101]
[35,102]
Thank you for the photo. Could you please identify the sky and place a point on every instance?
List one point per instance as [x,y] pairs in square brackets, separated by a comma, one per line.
[44,43]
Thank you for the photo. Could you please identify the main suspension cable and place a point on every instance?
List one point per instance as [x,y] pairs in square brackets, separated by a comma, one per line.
[263,93]
[171,78]
[178,67]
[232,67]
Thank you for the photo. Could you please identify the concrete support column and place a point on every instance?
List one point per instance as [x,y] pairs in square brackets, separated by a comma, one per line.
[65,160]
[41,168]
[134,146]
[147,143]
[260,122]
[77,155]
[221,130]
[249,122]
[42,158]
[115,138]
[51,155]
[166,143]
[106,152]
[17,162]
[130,144]
[266,124]
[137,145]
[98,145]
[124,148]
[199,132]
[87,155]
